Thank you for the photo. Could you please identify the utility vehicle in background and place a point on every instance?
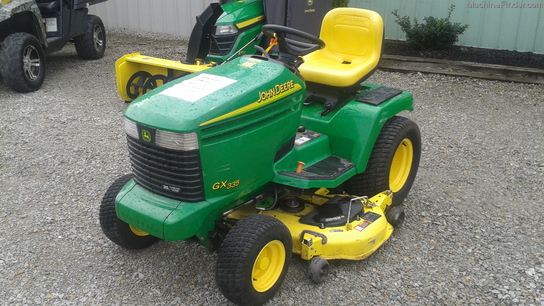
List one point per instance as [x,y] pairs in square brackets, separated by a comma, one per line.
[30,30]
[271,154]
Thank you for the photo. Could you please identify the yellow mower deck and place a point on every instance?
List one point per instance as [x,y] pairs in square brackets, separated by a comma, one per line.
[136,74]
[354,241]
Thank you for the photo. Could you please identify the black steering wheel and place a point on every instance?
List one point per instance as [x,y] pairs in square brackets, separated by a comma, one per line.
[290,46]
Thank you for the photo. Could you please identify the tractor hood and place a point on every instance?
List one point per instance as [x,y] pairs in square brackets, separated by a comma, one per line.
[219,94]
[235,11]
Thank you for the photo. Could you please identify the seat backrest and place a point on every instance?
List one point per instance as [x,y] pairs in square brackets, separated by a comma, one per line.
[353,39]
[352,33]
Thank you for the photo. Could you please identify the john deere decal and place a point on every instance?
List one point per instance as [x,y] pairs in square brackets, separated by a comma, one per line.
[146,136]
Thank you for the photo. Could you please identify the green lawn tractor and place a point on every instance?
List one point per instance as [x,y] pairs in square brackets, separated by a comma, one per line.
[30,30]
[269,155]
[221,33]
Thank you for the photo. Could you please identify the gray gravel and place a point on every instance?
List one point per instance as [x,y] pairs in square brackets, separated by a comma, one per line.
[473,234]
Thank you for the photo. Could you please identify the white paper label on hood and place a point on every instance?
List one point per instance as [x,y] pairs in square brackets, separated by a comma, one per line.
[198,87]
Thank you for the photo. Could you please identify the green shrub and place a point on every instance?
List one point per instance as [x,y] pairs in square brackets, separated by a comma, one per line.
[435,33]
[339,3]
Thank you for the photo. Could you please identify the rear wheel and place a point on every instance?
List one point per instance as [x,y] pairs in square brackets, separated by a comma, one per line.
[254,260]
[118,231]
[22,62]
[92,44]
[393,162]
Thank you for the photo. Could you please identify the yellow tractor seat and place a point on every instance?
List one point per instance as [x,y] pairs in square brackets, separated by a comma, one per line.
[353,39]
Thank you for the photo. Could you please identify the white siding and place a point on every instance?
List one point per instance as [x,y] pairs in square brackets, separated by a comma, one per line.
[509,28]
[495,24]
[161,16]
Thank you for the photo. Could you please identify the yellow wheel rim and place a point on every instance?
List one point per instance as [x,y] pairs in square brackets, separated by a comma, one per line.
[268,266]
[138,232]
[401,165]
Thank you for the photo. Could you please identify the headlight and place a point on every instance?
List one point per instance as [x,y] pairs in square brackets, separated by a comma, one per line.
[226,30]
[131,128]
[163,139]
[176,141]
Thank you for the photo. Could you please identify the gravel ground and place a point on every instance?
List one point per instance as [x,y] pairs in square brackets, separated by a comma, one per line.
[473,233]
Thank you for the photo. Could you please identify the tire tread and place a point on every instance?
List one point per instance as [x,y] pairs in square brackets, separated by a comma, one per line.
[116,229]
[236,251]
[11,63]
[84,43]
[375,178]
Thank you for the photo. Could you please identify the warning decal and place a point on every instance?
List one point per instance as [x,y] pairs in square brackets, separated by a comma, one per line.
[361,226]
[368,218]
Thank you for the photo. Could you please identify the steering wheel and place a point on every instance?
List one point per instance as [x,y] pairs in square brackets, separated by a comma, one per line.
[291,46]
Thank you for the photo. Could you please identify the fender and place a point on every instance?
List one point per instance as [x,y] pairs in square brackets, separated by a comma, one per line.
[356,116]
[349,132]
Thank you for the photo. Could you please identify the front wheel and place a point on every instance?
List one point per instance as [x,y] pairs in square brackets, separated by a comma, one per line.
[117,230]
[22,62]
[254,260]
[393,162]
[92,44]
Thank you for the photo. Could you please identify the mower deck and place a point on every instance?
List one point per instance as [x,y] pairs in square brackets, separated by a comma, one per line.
[354,240]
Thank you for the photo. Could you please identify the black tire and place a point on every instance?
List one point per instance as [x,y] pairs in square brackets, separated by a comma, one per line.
[393,162]
[22,62]
[92,44]
[395,216]
[318,269]
[118,231]
[257,241]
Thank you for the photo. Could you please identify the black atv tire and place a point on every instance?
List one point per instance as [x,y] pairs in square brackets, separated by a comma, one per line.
[22,62]
[393,162]
[92,44]
[118,231]
[254,260]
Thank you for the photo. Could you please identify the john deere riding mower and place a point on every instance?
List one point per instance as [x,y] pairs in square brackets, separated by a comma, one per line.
[30,30]
[269,155]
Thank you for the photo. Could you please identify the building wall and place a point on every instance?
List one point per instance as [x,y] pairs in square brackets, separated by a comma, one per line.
[161,16]
[496,24]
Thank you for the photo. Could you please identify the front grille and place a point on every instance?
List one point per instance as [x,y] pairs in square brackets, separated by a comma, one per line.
[222,44]
[173,174]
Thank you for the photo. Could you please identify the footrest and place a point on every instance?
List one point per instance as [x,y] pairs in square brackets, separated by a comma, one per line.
[379,95]
[329,168]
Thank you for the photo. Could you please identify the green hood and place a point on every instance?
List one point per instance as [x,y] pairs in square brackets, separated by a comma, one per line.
[223,93]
